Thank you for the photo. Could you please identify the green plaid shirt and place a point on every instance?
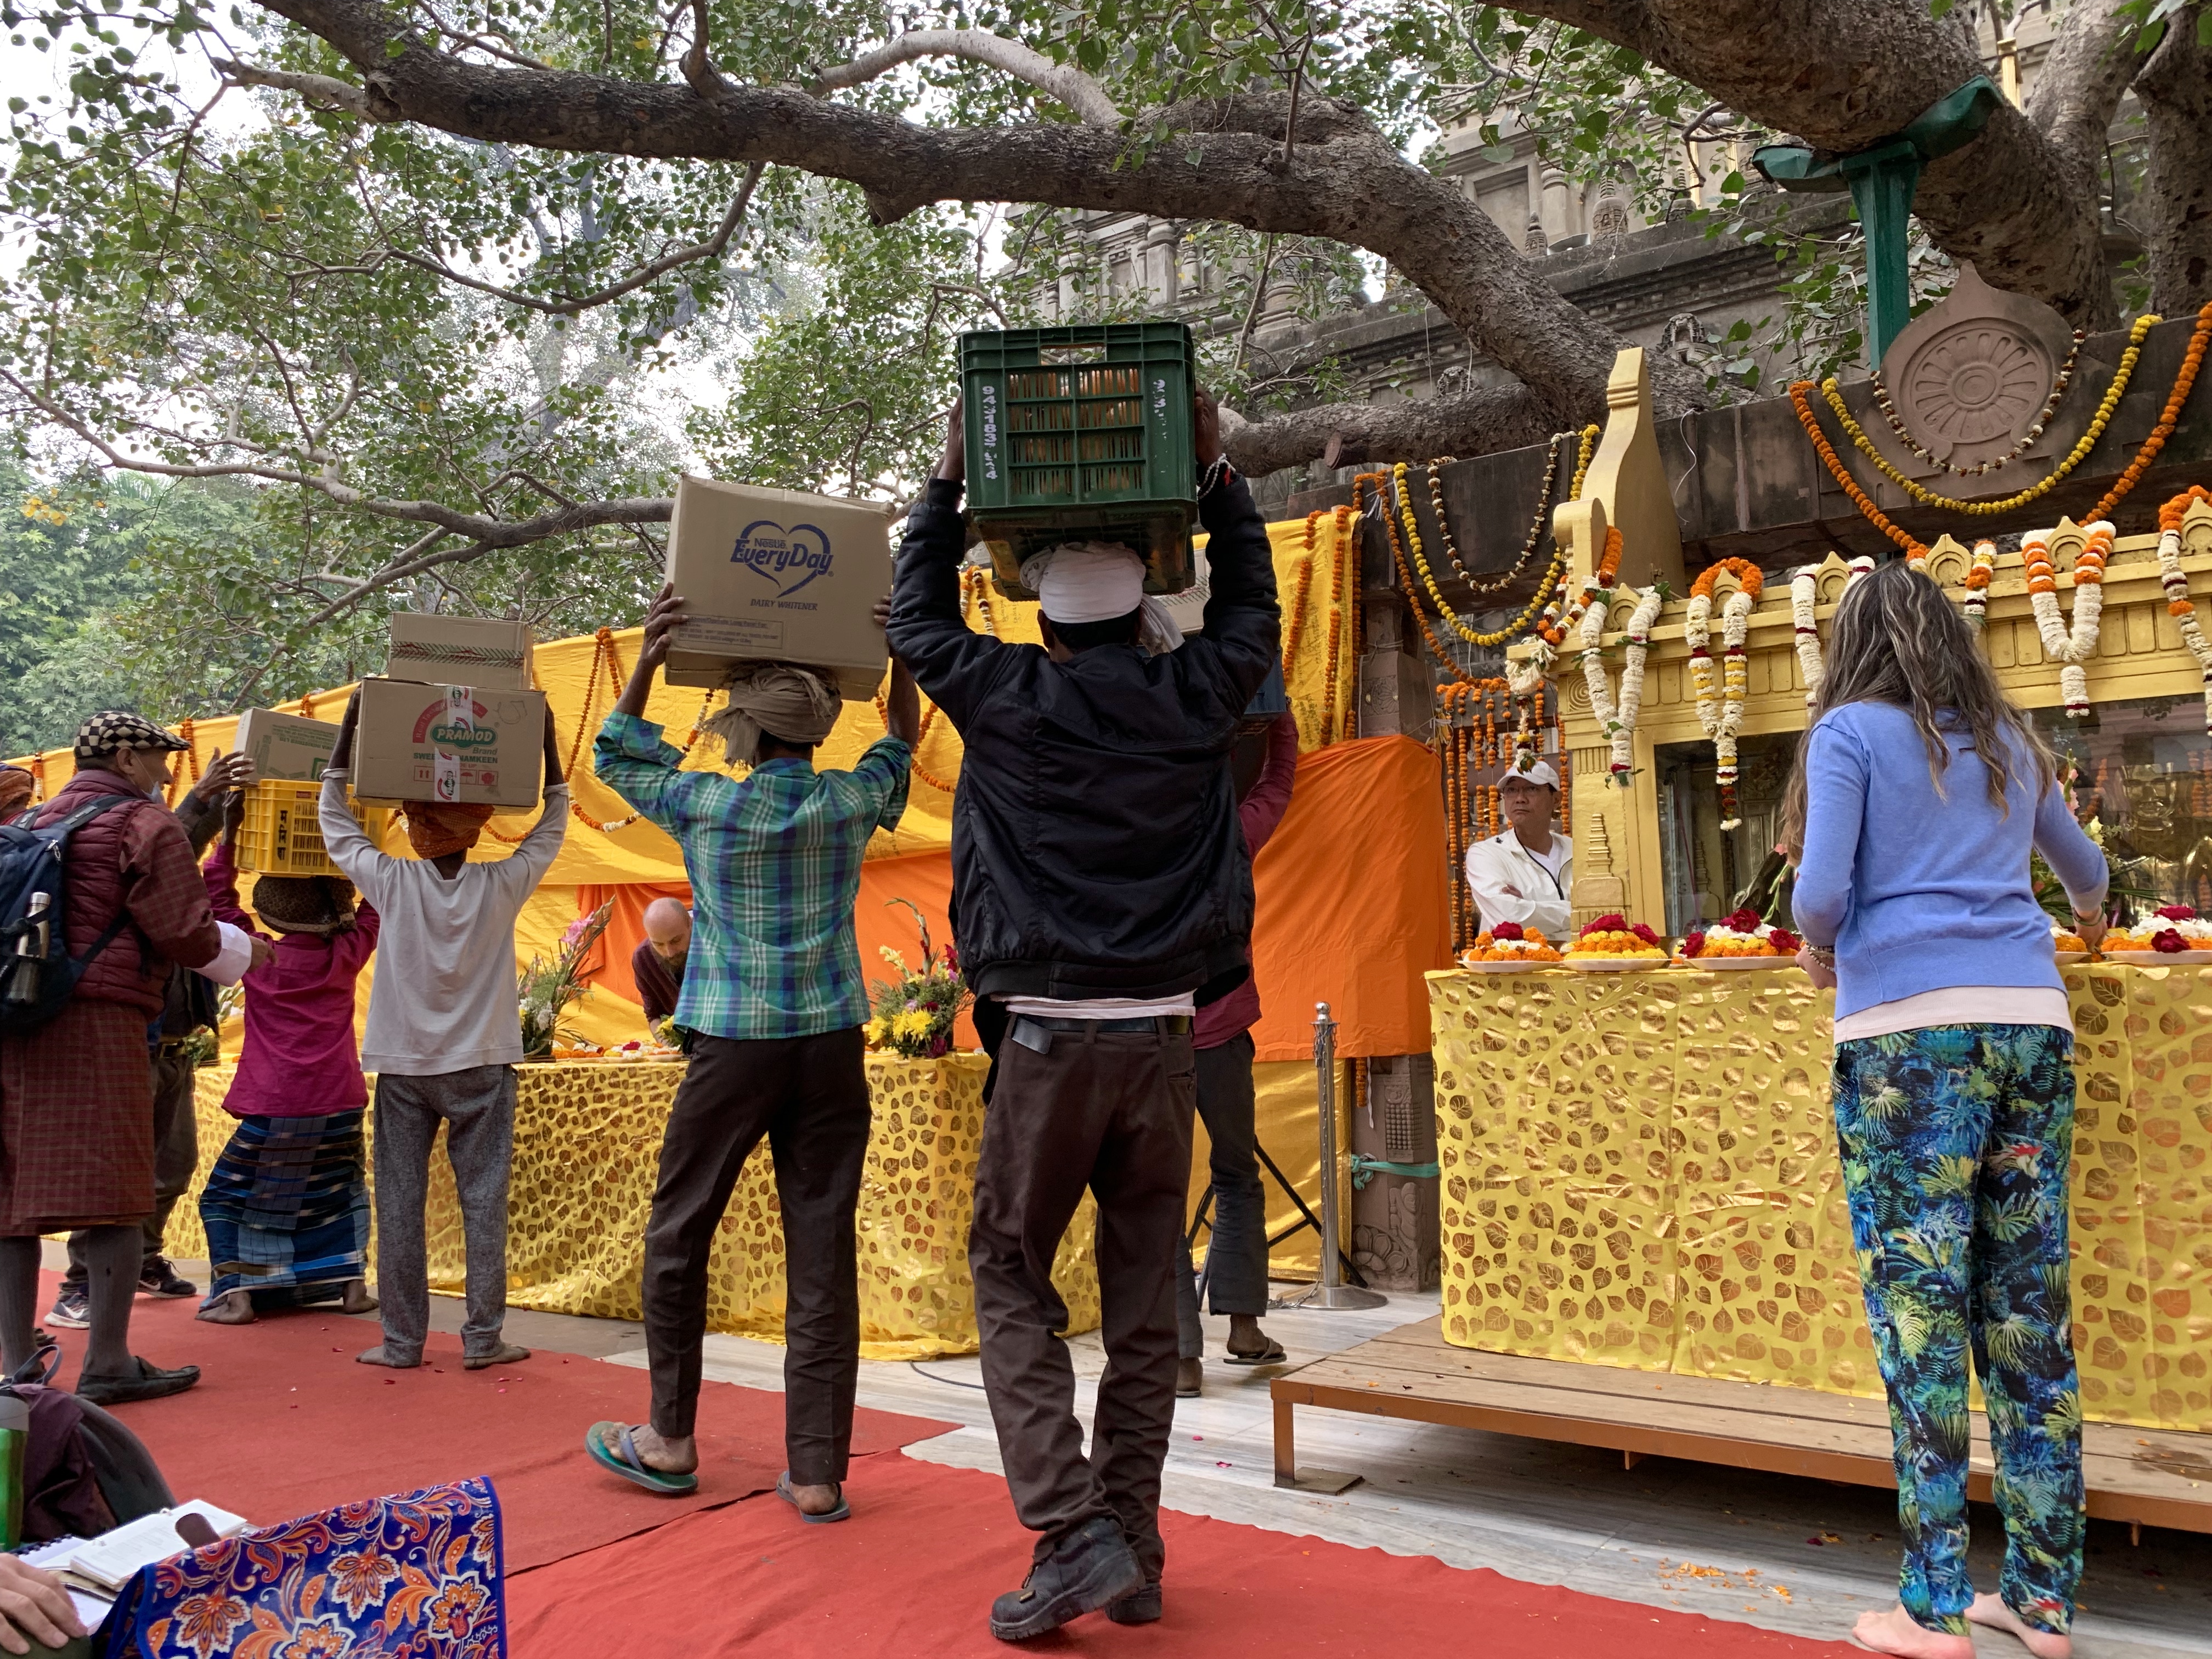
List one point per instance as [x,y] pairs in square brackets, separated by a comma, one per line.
[775,863]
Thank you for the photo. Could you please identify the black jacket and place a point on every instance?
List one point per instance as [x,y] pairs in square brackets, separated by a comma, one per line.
[1096,849]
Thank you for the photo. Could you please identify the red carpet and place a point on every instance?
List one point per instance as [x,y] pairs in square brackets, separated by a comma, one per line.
[912,1574]
[285,1422]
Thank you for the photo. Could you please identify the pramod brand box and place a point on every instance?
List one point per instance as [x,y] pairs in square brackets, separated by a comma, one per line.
[287,746]
[477,651]
[773,576]
[448,742]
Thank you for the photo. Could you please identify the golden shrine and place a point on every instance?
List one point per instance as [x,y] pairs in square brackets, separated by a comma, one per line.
[1640,1169]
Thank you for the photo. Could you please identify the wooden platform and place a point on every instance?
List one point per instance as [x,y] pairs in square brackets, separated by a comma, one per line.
[2149,1477]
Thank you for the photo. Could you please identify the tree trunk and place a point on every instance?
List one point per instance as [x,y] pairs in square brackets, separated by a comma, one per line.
[2176,90]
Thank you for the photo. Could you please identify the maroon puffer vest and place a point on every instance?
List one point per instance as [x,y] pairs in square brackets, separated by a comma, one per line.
[128,971]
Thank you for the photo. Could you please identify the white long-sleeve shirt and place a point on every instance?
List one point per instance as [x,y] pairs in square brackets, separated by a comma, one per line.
[1544,884]
[443,999]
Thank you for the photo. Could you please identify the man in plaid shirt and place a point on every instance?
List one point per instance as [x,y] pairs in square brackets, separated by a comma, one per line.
[773,1000]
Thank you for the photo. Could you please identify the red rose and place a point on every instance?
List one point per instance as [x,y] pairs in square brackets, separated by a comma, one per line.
[2176,913]
[2169,942]
[1785,942]
[1643,930]
[1692,944]
[1615,923]
[1745,921]
[1509,930]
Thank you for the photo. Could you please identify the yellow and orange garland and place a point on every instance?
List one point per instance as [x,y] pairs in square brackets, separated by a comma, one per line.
[2184,381]
[1470,809]
[2176,584]
[2069,645]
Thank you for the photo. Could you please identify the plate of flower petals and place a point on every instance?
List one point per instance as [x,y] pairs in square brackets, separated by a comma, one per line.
[1511,965]
[2155,958]
[1613,964]
[1730,965]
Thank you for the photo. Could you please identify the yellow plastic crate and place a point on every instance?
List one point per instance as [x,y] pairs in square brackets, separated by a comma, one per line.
[283,835]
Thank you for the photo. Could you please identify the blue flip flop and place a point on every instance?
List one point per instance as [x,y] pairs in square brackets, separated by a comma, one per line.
[842,1513]
[632,1467]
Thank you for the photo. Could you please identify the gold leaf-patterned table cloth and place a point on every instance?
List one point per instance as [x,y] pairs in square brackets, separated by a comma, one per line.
[586,1146]
[1640,1169]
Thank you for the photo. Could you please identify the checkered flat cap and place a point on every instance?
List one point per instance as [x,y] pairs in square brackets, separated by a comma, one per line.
[113,729]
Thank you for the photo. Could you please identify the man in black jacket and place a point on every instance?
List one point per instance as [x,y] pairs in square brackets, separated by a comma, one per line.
[1101,891]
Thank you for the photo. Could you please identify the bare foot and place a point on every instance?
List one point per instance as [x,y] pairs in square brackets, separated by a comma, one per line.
[1991,1611]
[234,1307]
[357,1300]
[811,1500]
[506,1354]
[677,1456]
[1897,1631]
[384,1354]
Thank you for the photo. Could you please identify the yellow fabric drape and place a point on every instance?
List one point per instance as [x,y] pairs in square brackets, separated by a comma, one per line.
[1640,1169]
[586,1145]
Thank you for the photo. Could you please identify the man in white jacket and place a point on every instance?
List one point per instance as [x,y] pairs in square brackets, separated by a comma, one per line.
[1526,874]
[443,1039]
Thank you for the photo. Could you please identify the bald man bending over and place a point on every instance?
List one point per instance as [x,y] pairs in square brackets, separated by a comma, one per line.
[657,965]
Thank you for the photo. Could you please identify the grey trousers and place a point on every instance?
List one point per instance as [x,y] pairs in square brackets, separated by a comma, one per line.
[477,1106]
[1236,1251]
[176,1155]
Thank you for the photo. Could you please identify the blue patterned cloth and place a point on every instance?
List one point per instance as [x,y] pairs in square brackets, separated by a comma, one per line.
[286,1209]
[775,863]
[421,1575]
[1955,1143]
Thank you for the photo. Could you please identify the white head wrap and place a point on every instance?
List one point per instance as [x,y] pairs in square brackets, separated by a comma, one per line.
[1097,581]
[793,705]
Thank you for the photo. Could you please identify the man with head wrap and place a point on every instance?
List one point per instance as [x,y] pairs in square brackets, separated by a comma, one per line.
[443,1040]
[774,999]
[1100,893]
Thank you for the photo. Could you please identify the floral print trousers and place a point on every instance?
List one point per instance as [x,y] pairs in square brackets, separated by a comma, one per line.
[1955,1142]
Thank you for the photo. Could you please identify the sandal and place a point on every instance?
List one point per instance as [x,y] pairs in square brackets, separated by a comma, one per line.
[842,1513]
[632,1467]
[1273,1354]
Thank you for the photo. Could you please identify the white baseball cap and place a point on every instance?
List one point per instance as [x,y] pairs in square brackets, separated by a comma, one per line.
[1536,772]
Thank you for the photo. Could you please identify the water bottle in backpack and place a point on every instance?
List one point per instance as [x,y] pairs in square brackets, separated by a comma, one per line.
[37,973]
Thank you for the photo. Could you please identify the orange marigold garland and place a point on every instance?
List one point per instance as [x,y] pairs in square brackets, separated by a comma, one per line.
[2175,583]
[1298,624]
[2184,379]
[1915,551]
[1722,720]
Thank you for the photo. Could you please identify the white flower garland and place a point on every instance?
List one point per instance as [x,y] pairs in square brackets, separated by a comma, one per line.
[1722,720]
[2069,645]
[1618,723]
[1978,592]
[1804,587]
[2172,579]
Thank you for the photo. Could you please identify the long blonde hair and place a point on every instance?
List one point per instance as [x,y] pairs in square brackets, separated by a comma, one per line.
[1895,639]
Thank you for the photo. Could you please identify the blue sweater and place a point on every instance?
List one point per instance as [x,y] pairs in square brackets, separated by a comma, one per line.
[1917,890]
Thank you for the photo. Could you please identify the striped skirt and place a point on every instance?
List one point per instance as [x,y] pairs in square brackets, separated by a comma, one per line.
[286,1209]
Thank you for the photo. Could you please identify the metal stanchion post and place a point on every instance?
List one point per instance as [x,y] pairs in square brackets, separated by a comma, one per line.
[1331,1292]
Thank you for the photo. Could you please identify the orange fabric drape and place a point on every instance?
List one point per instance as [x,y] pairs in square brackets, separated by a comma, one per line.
[1353,906]
[1354,902]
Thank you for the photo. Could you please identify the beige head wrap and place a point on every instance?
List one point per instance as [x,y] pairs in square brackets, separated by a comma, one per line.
[792,705]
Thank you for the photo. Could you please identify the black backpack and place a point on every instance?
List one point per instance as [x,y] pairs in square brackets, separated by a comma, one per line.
[37,973]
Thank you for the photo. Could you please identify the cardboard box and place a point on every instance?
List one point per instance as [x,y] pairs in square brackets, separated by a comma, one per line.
[287,746]
[450,743]
[475,650]
[773,576]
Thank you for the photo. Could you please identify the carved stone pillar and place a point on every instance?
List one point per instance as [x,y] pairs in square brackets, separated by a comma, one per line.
[1160,262]
[1559,208]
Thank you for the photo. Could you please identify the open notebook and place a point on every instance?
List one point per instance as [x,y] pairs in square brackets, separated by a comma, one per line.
[111,1558]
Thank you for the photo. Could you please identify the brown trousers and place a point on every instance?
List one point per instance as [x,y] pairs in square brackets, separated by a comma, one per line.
[809,1095]
[1110,1110]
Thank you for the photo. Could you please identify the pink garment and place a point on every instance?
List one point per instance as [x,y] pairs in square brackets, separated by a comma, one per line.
[1259,812]
[299,1059]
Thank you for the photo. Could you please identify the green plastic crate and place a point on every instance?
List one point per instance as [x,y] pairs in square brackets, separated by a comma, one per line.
[1082,432]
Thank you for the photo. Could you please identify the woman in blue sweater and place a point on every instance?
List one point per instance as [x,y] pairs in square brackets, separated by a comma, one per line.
[1916,797]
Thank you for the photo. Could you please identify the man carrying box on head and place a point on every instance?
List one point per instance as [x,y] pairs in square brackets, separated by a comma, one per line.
[1100,893]
[774,999]
[443,1040]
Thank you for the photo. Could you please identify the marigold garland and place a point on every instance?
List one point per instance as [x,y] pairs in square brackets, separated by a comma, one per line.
[2184,379]
[2069,646]
[1467,739]
[1977,585]
[1914,551]
[1473,636]
[1537,524]
[1724,719]
[1292,635]
[2175,581]
[1617,722]
[2042,486]
[1804,588]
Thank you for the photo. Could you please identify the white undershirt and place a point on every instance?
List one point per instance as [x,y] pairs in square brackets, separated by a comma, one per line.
[1101,1007]
[1960,1004]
